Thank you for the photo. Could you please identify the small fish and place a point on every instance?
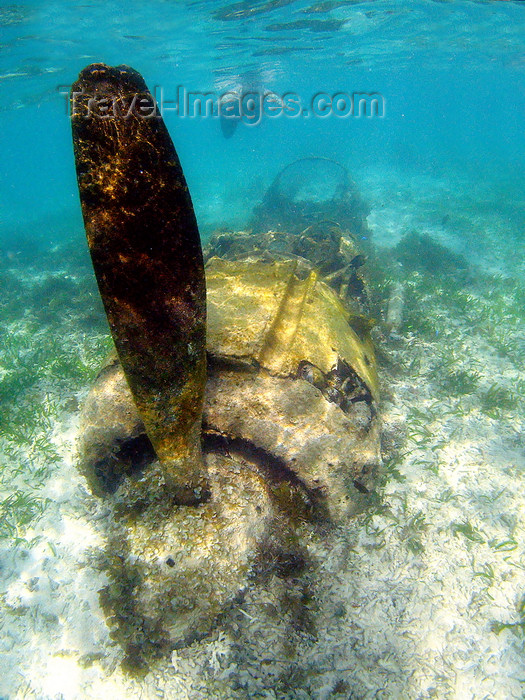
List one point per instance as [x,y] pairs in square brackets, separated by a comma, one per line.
[357,261]
[359,486]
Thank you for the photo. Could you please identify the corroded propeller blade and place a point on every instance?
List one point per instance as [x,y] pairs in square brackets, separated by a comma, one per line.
[146,251]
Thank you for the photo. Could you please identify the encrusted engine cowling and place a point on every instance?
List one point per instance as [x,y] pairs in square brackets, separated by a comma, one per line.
[291,376]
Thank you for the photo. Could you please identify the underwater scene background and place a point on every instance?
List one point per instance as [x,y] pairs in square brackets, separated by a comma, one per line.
[422,594]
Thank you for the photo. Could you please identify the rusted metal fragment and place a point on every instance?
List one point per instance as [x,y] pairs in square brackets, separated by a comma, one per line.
[146,252]
[263,314]
[245,302]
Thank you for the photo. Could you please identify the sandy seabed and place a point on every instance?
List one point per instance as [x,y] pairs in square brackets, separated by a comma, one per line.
[421,596]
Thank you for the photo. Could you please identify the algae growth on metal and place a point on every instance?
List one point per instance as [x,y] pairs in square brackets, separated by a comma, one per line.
[146,252]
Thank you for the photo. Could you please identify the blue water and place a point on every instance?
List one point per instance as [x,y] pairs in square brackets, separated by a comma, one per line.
[451,75]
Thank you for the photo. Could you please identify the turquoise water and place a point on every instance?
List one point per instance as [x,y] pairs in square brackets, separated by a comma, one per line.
[450,74]
[420,596]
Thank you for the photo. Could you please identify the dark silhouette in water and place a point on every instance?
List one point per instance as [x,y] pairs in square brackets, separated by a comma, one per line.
[232,104]
[229,124]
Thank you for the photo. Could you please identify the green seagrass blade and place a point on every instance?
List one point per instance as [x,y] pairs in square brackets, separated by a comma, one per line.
[146,252]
